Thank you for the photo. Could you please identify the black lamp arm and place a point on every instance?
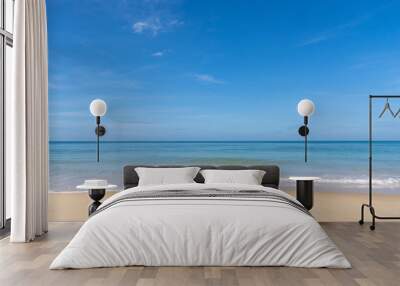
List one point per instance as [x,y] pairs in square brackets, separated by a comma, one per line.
[303,131]
[100,131]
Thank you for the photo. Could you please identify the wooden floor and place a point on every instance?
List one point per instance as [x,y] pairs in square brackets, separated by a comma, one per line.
[375,257]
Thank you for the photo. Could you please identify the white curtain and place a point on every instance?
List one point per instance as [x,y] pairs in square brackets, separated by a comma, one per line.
[26,123]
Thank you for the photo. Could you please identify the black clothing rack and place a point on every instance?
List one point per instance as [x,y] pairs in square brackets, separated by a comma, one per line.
[370,141]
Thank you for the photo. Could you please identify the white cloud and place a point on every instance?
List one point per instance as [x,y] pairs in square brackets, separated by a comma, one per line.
[316,40]
[155,25]
[175,22]
[89,79]
[208,78]
[335,31]
[139,27]
[158,54]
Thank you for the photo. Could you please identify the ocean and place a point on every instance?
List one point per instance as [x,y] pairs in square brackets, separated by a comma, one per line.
[341,165]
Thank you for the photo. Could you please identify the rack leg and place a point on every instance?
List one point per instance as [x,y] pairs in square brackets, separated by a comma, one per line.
[361,221]
[372,210]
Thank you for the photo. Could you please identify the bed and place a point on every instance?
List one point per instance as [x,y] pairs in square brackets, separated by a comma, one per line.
[198,224]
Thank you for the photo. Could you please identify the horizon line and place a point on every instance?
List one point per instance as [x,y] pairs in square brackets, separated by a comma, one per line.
[214,141]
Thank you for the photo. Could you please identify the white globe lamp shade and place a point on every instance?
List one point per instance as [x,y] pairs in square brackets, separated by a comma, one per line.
[98,107]
[305,107]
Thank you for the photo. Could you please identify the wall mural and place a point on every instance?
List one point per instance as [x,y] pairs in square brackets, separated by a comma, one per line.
[192,82]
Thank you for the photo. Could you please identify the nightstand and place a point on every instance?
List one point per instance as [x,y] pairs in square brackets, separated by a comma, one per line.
[304,190]
[97,191]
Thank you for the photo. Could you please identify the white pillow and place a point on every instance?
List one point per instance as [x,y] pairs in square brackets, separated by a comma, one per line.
[248,177]
[165,176]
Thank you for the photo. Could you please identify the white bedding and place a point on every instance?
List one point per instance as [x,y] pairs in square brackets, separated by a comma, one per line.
[200,231]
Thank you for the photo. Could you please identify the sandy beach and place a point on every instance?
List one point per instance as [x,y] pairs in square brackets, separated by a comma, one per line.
[334,205]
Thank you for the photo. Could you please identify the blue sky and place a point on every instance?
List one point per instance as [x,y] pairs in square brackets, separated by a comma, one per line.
[221,70]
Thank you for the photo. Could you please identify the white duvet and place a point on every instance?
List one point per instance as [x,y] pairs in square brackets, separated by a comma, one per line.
[193,231]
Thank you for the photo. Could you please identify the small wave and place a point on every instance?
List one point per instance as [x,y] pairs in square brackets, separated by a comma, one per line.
[389,182]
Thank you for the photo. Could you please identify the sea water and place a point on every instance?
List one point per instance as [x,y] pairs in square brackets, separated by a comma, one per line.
[343,165]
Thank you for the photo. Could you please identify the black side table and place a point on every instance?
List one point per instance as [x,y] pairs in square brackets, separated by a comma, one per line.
[96,195]
[96,192]
[304,190]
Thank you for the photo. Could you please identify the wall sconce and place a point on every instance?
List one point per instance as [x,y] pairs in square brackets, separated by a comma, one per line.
[98,108]
[305,108]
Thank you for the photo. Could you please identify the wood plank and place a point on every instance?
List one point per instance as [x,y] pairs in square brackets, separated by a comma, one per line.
[375,257]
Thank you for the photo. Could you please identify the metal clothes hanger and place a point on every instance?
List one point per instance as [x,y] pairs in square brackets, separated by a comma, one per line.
[397,113]
[387,107]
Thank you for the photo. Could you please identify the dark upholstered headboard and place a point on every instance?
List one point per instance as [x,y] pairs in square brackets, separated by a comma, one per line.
[271,177]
